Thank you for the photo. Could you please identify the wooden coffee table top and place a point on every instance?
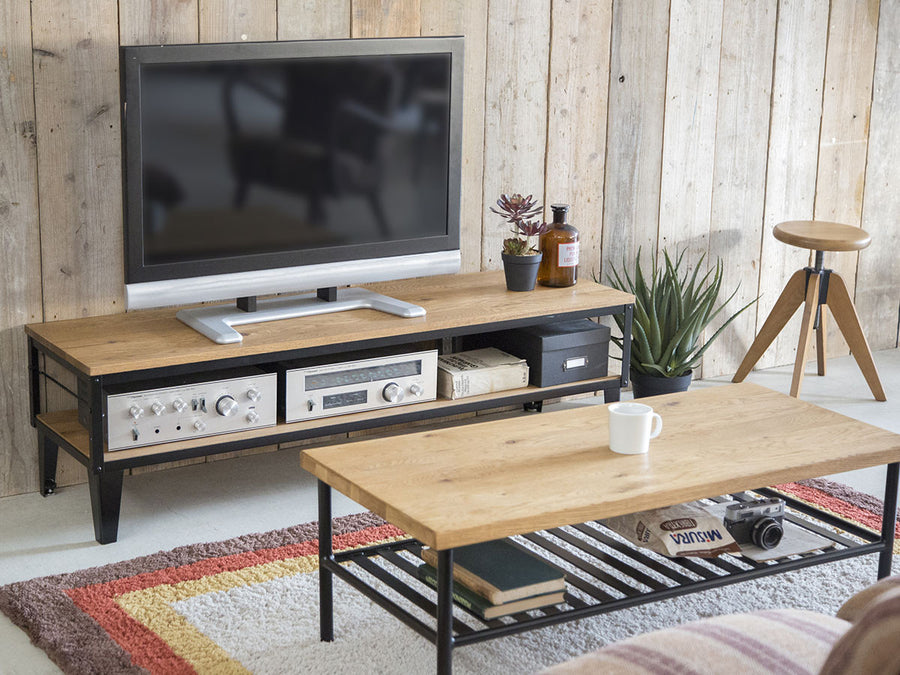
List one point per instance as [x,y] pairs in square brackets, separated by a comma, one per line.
[466,484]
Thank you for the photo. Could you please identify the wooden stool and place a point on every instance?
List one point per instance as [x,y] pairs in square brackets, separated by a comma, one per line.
[817,287]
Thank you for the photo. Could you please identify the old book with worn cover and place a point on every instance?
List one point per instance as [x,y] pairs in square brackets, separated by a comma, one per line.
[501,571]
[480,605]
[480,371]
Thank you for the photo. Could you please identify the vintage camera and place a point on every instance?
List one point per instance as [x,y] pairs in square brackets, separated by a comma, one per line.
[757,522]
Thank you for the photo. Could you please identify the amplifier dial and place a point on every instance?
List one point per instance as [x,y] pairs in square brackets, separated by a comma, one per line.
[392,392]
[253,417]
[157,408]
[254,394]
[416,389]
[227,406]
[136,411]
[179,405]
[200,426]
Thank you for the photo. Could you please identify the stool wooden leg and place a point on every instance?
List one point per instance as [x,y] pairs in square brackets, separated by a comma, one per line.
[806,330]
[783,309]
[847,320]
[821,339]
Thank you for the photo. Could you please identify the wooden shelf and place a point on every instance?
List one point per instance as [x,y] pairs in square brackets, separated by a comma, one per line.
[66,425]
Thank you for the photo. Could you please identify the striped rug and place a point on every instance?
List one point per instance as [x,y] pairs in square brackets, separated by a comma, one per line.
[195,609]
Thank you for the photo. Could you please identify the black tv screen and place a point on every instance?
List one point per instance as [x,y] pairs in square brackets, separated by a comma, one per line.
[242,157]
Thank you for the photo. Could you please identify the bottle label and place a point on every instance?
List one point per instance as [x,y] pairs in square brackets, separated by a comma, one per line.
[568,255]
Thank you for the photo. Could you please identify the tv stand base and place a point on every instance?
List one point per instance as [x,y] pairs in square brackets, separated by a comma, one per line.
[217,321]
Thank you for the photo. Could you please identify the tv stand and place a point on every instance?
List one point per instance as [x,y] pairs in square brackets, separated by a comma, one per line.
[217,321]
[138,350]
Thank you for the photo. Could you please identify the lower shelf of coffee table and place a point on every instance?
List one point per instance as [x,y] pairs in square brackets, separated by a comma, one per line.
[603,572]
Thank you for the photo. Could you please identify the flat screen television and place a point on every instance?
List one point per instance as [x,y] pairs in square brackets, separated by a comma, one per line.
[264,168]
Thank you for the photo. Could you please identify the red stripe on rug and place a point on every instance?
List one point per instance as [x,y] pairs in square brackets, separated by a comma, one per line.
[146,648]
[836,505]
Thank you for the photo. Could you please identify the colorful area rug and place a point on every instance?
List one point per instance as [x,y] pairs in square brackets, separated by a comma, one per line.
[249,605]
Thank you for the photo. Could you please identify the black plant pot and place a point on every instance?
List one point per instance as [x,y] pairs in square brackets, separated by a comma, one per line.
[651,385]
[521,271]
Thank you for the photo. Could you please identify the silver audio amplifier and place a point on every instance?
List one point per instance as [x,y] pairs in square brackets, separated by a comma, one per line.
[192,410]
[354,386]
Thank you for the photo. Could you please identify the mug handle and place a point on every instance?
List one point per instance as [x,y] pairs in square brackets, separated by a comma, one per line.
[657,423]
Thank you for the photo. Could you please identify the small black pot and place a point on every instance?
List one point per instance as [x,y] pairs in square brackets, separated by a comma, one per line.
[652,385]
[521,271]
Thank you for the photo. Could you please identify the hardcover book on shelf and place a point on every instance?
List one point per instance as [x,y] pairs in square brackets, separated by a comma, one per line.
[480,371]
[500,571]
[480,605]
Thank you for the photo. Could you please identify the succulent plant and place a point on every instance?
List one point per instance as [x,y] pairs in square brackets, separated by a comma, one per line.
[521,213]
[670,314]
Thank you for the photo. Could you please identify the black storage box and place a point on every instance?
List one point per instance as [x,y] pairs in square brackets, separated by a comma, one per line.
[557,353]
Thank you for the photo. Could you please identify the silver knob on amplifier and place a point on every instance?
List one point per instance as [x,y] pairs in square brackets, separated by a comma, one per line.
[253,417]
[392,392]
[136,411]
[226,406]
[179,405]
[254,394]
[200,425]
[157,408]
[416,389]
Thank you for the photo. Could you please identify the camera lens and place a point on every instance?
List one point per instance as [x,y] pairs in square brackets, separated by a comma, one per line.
[766,533]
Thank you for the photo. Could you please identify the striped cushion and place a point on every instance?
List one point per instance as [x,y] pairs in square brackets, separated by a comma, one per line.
[857,605]
[871,646]
[772,642]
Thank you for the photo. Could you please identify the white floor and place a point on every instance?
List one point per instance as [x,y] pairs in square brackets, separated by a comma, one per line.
[219,500]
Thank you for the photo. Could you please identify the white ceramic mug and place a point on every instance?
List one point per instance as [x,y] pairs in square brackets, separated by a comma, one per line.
[630,427]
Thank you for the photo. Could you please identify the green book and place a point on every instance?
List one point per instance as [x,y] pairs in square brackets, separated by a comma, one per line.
[480,606]
[501,571]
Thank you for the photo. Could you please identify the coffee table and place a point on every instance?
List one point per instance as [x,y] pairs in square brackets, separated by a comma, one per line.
[546,478]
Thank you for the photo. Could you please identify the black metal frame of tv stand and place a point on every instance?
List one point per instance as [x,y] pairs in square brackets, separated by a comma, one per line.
[619,568]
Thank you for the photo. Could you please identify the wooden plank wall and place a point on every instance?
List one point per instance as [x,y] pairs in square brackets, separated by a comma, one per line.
[679,123]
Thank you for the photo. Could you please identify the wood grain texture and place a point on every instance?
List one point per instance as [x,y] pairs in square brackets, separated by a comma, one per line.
[385,18]
[576,125]
[793,154]
[843,141]
[498,478]
[313,19]
[146,22]
[155,338]
[515,115]
[238,20]
[76,91]
[739,170]
[689,142]
[640,33]
[877,295]
[459,17]
[20,292]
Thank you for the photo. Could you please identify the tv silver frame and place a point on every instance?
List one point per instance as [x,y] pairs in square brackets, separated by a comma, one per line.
[291,271]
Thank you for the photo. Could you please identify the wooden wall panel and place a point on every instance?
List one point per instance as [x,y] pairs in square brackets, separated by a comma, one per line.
[689,141]
[386,18]
[313,19]
[576,134]
[238,20]
[637,84]
[163,22]
[515,115]
[20,264]
[878,278]
[843,142]
[793,145]
[459,17]
[739,171]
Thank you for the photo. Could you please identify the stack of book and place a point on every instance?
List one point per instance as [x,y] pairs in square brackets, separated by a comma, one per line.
[498,578]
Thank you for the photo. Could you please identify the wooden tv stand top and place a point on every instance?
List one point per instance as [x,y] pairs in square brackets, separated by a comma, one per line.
[454,304]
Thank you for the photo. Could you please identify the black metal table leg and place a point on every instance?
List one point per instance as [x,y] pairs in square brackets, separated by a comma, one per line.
[889,520]
[326,577]
[106,499]
[445,612]
[48,452]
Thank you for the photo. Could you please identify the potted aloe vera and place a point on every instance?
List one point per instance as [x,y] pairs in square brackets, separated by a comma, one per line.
[520,258]
[672,308]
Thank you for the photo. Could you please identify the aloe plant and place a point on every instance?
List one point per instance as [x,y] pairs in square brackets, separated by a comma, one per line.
[671,311]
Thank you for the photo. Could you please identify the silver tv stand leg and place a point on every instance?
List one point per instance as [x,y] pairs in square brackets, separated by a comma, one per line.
[217,321]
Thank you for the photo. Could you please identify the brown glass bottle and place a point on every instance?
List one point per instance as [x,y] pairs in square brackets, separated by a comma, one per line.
[559,266]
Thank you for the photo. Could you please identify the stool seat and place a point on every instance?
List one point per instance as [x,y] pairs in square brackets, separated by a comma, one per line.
[822,236]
